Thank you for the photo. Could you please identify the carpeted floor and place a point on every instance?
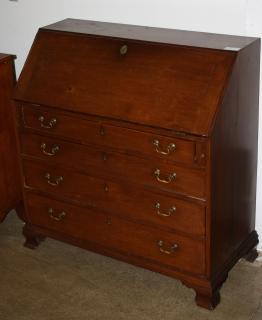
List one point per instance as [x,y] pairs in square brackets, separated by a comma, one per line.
[62,282]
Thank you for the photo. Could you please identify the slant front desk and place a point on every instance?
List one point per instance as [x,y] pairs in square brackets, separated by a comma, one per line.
[141,144]
[10,185]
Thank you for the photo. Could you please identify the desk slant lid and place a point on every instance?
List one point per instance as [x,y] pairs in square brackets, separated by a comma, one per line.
[147,76]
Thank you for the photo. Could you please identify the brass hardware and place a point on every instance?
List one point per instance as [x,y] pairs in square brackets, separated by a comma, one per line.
[170,148]
[47,125]
[53,182]
[171,177]
[163,248]
[169,212]
[59,217]
[106,188]
[53,151]
[123,50]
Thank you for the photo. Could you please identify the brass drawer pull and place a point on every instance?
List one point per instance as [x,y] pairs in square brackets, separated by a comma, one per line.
[58,217]
[163,248]
[170,148]
[45,124]
[52,152]
[123,50]
[170,178]
[169,212]
[53,182]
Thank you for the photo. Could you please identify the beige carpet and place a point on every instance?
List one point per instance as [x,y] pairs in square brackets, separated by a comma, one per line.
[59,281]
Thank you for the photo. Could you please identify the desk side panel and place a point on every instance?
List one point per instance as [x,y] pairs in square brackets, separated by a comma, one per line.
[234,164]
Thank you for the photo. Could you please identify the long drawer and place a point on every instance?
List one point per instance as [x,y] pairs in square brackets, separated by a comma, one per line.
[98,162]
[125,236]
[104,134]
[127,200]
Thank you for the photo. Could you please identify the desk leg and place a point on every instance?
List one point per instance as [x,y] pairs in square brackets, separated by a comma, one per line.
[32,240]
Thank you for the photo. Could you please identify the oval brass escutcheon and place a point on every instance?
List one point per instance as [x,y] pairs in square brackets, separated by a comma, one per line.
[123,50]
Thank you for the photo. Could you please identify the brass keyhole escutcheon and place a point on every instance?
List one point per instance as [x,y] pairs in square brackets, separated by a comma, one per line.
[123,50]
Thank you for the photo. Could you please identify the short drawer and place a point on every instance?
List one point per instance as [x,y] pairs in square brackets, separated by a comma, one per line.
[104,134]
[126,200]
[103,163]
[117,234]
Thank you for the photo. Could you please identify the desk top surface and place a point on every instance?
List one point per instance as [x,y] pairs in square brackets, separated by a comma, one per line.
[151,34]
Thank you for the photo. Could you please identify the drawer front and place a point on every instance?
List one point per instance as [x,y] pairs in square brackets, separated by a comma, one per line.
[126,200]
[156,173]
[130,238]
[104,134]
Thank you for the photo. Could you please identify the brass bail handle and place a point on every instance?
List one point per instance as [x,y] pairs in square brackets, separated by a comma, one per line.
[170,177]
[168,213]
[170,148]
[58,217]
[53,181]
[167,249]
[47,124]
[52,152]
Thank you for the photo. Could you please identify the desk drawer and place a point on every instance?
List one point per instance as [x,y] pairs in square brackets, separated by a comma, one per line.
[104,134]
[96,162]
[126,200]
[130,238]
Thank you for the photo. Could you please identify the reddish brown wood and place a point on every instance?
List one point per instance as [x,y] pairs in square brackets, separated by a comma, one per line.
[103,163]
[234,160]
[124,199]
[10,188]
[109,108]
[102,133]
[150,34]
[113,232]
[159,83]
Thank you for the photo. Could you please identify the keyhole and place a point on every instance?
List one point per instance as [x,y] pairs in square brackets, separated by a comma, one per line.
[104,156]
[102,131]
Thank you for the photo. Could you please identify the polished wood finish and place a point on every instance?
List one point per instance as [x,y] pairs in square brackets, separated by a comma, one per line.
[150,34]
[123,199]
[159,83]
[234,154]
[10,189]
[118,234]
[103,163]
[141,144]
[103,133]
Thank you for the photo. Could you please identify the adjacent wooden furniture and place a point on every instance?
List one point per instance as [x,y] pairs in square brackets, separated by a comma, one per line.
[10,186]
[141,144]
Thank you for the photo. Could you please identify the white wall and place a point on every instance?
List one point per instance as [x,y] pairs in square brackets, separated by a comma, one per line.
[20,20]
